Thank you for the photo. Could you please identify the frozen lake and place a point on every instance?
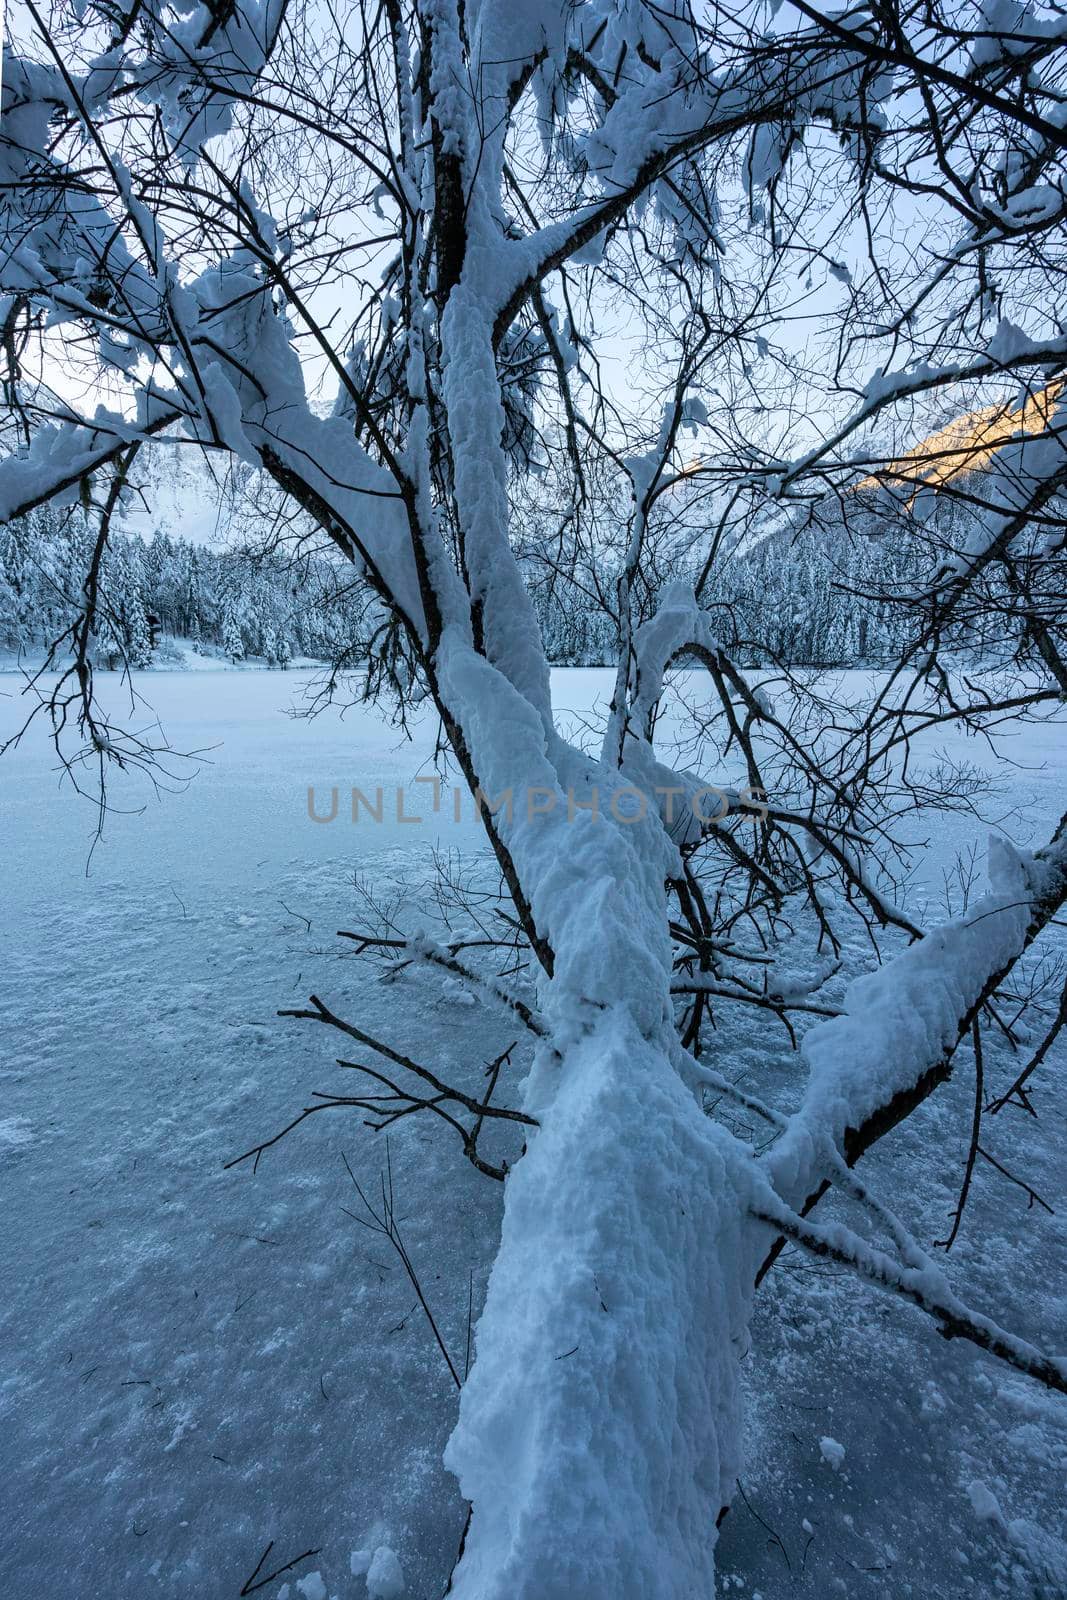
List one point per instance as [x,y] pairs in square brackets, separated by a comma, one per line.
[199,1361]
[239,808]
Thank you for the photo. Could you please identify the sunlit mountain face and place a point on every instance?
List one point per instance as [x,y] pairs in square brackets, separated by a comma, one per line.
[967,444]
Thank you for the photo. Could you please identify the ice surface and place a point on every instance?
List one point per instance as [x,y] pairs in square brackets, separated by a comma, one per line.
[145,1286]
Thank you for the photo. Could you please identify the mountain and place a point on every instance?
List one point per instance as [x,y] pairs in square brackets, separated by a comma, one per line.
[967,444]
[181,491]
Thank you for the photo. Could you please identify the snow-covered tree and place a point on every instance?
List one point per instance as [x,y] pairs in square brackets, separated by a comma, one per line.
[13,584]
[493,186]
[138,633]
[232,638]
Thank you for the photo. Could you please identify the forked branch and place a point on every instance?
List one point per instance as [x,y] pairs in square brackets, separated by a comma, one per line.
[398,1100]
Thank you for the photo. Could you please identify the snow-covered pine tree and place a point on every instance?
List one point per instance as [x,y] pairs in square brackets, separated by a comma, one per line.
[232,634]
[13,620]
[138,633]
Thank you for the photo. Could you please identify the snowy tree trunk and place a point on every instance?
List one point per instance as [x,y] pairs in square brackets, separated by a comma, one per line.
[599,1431]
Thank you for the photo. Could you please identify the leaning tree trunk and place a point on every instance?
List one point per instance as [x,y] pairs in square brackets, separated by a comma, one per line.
[599,1430]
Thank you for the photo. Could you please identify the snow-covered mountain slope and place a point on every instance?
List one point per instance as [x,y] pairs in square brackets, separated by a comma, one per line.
[181,491]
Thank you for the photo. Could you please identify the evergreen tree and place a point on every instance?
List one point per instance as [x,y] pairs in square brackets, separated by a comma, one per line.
[138,633]
[232,640]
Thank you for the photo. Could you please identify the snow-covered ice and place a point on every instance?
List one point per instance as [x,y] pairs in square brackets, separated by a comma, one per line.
[201,1362]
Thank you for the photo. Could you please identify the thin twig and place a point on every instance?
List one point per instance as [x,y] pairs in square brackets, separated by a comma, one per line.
[976,1128]
[250,1585]
[385,1223]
